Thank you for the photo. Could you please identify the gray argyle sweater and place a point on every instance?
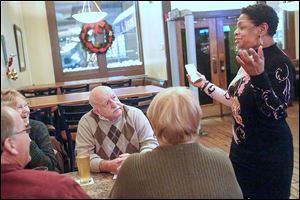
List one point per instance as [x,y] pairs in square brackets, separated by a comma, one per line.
[131,133]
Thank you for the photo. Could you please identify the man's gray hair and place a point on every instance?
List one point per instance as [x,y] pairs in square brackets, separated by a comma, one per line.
[102,89]
[7,123]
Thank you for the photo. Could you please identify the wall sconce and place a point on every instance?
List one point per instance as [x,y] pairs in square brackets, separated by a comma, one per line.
[87,16]
[289,6]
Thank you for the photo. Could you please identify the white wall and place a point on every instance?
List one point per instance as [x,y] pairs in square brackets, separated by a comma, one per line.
[31,18]
[38,42]
[11,13]
[153,39]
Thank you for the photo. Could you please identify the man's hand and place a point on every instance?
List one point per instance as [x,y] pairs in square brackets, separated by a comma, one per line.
[254,64]
[113,165]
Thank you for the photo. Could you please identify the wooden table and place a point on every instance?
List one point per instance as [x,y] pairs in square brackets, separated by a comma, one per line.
[74,83]
[103,183]
[83,97]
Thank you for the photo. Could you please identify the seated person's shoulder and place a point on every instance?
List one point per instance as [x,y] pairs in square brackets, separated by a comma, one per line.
[87,117]
[65,186]
[133,160]
[59,179]
[38,128]
[133,111]
[35,124]
[215,152]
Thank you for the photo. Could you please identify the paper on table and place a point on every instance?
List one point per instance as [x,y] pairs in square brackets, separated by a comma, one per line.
[91,181]
[192,71]
[115,176]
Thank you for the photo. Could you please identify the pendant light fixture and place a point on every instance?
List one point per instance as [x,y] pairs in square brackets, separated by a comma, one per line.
[88,16]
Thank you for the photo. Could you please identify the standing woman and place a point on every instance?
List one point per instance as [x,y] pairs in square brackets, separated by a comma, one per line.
[41,150]
[262,146]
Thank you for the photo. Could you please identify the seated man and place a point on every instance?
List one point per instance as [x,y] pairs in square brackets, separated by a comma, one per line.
[111,131]
[17,182]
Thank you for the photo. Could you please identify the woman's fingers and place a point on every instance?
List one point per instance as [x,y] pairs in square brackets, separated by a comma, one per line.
[255,56]
[261,53]
[240,61]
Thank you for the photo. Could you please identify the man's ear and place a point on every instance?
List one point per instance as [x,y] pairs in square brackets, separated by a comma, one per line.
[10,146]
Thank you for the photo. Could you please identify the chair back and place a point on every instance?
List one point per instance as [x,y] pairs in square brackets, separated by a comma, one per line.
[139,102]
[40,92]
[47,92]
[118,84]
[28,93]
[44,115]
[70,116]
[74,89]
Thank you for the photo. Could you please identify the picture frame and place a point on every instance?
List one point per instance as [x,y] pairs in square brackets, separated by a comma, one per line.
[4,49]
[20,47]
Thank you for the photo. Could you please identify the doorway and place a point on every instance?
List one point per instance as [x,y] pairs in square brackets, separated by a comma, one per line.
[215,52]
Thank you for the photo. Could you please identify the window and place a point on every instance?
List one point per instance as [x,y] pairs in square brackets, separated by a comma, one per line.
[279,36]
[73,62]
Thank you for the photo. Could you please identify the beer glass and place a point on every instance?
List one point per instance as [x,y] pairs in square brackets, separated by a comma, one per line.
[83,165]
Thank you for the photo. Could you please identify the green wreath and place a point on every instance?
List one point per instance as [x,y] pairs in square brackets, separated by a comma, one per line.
[87,39]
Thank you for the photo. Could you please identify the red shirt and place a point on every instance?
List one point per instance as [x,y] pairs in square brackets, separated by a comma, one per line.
[17,182]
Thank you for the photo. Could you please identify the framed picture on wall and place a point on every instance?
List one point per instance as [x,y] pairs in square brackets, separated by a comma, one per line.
[4,49]
[20,47]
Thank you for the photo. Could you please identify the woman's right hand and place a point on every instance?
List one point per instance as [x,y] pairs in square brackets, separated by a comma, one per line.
[199,83]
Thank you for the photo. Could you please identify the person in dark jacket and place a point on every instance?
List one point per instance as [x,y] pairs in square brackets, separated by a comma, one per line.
[262,146]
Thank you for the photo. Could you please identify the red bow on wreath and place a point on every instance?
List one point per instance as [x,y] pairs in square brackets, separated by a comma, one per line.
[98,28]
[11,73]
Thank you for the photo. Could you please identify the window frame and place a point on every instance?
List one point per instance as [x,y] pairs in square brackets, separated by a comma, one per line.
[102,71]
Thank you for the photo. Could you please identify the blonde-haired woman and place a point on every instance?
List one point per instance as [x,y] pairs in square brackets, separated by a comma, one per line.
[179,167]
[41,150]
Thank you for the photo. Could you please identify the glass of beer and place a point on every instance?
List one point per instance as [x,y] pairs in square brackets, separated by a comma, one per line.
[83,165]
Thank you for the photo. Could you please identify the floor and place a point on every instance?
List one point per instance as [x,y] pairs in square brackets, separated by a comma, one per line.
[219,135]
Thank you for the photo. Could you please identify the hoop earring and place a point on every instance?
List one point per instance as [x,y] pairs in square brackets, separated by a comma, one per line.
[261,41]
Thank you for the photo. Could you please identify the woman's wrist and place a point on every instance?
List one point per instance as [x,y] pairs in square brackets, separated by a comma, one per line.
[204,86]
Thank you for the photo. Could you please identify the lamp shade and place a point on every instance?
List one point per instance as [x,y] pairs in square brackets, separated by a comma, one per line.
[89,17]
[289,6]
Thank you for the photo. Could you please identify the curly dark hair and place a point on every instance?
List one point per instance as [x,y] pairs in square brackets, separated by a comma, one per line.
[260,13]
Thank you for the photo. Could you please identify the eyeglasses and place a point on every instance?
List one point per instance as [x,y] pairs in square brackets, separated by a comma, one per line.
[27,130]
[21,107]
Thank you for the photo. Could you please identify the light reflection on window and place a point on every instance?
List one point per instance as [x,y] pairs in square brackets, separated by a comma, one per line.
[125,49]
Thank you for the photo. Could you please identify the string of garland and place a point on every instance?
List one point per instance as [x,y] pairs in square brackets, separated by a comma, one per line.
[98,28]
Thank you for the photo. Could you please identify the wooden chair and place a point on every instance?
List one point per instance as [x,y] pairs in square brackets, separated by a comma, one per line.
[139,102]
[118,84]
[70,116]
[74,89]
[37,93]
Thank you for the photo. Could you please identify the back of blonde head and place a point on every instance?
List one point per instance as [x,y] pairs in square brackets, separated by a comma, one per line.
[9,97]
[175,115]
